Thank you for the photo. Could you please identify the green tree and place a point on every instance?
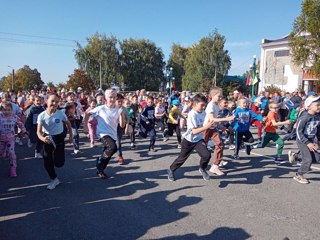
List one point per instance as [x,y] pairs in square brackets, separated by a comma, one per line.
[305,36]
[206,64]
[80,79]
[24,79]
[99,55]
[142,64]
[176,61]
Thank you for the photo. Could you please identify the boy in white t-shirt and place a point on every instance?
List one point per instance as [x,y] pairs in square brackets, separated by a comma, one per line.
[109,116]
[193,139]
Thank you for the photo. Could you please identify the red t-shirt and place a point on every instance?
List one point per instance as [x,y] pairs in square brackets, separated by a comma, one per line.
[269,127]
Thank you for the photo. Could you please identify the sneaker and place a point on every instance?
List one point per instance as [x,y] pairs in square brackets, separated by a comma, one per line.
[231,147]
[292,157]
[165,139]
[152,149]
[13,172]
[29,144]
[91,145]
[279,160]
[52,185]
[215,170]
[133,146]
[204,174]
[170,175]
[235,156]
[101,174]
[37,155]
[76,152]
[223,163]
[18,141]
[179,146]
[121,160]
[248,149]
[300,179]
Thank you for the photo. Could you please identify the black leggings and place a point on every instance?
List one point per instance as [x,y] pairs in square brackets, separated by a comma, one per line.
[173,127]
[186,150]
[110,148]
[54,157]
[240,137]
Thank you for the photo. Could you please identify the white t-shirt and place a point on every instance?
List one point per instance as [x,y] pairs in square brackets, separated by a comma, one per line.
[194,120]
[52,124]
[211,108]
[159,111]
[108,120]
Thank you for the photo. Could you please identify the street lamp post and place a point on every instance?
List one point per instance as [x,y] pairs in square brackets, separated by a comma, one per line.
[12,81]
[254,72]
[170,78]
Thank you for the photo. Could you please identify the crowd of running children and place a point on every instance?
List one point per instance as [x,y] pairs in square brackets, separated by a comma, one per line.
[47,118]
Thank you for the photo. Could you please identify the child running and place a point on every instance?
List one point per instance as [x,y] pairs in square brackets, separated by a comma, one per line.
[308,137]
[173,122]
[212,112]
[121,130]
[50,130]
[147,121]
[242,126]
[31,125]
[193,139]
[8,123]
[91,124]
[270,131]
[109,116]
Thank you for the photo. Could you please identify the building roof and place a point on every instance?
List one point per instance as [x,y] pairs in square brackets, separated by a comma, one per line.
[285,38]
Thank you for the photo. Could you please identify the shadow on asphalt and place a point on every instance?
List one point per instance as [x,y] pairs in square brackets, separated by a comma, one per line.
[219,233]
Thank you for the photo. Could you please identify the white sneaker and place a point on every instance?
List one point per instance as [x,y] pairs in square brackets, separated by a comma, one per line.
[231,147]
[215,170]
[37,155]
[292,157]
[52,185]
[165,139]
[223,163]
[29,144]
[76,152]
[179,146]
[91,145]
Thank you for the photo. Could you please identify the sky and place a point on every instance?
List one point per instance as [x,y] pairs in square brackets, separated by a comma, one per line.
[42,33]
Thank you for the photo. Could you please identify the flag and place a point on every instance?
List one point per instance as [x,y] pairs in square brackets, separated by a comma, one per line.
[255,80]
[248,82]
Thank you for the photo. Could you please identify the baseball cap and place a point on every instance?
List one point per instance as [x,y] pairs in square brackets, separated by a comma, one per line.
[175,102]
[310,100]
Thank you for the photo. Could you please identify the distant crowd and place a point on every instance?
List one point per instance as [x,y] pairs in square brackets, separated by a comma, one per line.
[205,123]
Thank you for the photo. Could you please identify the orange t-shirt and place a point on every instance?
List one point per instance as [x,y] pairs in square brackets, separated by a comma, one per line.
[269,127]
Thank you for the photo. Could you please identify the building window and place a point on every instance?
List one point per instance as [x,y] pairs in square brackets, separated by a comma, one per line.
[282,53]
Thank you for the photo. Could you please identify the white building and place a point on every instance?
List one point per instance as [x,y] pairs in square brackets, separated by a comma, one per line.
[278,69]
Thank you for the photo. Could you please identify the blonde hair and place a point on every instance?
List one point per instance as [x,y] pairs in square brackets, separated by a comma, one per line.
[214,91]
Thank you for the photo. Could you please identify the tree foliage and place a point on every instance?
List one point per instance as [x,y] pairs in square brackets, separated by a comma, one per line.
[141,64]
[206,63]
[305,36]
[100,51]
[24,79]
[80,79]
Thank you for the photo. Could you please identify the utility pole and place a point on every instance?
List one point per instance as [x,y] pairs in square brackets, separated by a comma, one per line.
[254,72]
[12,80]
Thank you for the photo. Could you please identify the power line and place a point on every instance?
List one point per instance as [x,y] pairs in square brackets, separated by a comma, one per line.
[14,40]
[36,36]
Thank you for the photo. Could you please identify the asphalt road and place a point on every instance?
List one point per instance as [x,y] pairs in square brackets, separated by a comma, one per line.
[255,200]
